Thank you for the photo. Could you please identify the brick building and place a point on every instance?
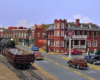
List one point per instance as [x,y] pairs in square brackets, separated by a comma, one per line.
[37,34]
[83,38]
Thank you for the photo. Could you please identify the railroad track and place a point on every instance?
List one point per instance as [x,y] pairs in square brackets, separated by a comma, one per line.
[28,74]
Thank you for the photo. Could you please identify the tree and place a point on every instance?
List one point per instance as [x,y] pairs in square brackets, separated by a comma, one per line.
[47,26]
[36,25]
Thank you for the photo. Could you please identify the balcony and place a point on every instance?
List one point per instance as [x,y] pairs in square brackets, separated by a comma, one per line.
[80,37]
[81,46]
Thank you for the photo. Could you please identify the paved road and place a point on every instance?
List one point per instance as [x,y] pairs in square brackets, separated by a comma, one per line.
[63,71]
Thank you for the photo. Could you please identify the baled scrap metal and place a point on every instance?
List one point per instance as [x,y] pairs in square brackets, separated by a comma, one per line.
[16,52]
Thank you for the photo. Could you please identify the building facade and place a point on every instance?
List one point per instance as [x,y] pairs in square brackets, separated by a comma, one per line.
[86,36]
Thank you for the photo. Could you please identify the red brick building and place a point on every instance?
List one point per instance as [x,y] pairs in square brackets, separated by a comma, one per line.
[83,38]
[37,34]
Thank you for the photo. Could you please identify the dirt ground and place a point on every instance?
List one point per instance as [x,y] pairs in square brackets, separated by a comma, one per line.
[6,73]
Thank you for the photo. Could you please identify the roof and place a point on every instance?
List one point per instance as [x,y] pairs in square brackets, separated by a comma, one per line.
[83,26]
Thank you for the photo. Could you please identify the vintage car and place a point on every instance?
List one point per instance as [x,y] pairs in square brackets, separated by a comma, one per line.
[38,55]
[73,51]
[94,59]
[78,63]
[35,48]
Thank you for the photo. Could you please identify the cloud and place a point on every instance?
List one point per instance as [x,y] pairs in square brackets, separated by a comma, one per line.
[1,25]
[82,19]
[24,23]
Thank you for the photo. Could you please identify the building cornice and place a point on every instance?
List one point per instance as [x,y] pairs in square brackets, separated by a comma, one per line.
[19,29]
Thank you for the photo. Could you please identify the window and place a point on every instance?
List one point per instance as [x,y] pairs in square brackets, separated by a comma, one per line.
[38,34]
[57,43]
[57,25]
[97,34]
[54,43]
[33,33]
[4,35]
[19,34]
[78,32]
[51,33]
[24,34]
[62,43]
[11,35]
[14,35]
[62,25]
[62,51]
[57,50]
[87,34]
[68,25]
[48,42]
[48,33]
[1,35]
[88,44]
[57,33]
[62,33]
[81,26]
[83,33]
[92,34]
[95,43]
[51,43]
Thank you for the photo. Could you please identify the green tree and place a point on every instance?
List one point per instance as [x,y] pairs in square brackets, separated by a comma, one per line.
[47,26]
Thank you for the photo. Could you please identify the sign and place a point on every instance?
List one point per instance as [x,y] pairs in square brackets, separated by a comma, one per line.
[42,41]
[70,33]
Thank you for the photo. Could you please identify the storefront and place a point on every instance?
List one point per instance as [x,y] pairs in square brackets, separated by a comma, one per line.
[32,41]
[21,41]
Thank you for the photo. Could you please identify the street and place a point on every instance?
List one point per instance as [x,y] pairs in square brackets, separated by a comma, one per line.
[58,67]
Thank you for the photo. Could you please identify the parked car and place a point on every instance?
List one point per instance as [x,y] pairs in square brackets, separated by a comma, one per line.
[94,59]
[74,51]
[38,55]
[78,63]
[35,48]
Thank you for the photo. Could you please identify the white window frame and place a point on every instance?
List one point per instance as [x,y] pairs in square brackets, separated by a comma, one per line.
[97,34]
[38,34]
[48,33]
[24,34]
[51,44]
[83,33]
[57,43]
[11,35]
[88,34]
[78,32]
[48,42]
[51,33]
[54,33]
[62,43]
[14,35]
[57,33]
[1,34]
[92,34]
[19,34]
[62,33]
[62,25]
[95,43]
[58,25]
[88,43]
[54,26]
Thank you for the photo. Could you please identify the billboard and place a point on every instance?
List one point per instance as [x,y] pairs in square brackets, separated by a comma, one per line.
[42,41]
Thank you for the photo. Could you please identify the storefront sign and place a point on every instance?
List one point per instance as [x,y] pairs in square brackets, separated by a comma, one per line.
[42,41]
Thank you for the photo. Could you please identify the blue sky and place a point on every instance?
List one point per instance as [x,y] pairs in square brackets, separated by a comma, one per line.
[29,12]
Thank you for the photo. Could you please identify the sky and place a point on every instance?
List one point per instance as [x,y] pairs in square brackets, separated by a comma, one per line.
[29,12]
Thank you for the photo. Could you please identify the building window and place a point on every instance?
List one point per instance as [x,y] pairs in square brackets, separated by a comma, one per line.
[4,35]
[62,51]
[95,43]
[54,43]
[57,43]
[92,34]
[68,25]
[33,33]
[51,43]
[57,33]
[11,35]
[57,50]
[48,33]
[88,44]
[87,34]
[83,33]
[62,25]
[1,35]
[14,35]
[97,34]
[48,42]
[62,33]
[38,34]
[78,32]
[19,34]
[24,34]
[51,33]
[57,25]
[62,43]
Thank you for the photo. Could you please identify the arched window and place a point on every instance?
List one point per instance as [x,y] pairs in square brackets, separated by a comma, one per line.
[95,43]
[88,44]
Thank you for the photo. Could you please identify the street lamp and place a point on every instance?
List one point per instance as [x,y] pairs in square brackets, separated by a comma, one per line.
[16,37]
[28,39]
[44,34]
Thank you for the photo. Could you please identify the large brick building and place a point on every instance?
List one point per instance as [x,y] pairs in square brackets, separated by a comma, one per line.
[83,38]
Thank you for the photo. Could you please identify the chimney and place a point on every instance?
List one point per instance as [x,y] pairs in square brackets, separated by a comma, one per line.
[77,22]
[90,23]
